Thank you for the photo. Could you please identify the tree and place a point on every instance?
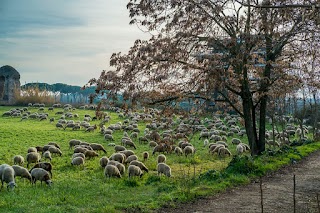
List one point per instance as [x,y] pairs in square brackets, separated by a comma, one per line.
[238,49]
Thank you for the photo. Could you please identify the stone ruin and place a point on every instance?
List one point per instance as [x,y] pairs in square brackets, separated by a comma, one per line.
[9,85]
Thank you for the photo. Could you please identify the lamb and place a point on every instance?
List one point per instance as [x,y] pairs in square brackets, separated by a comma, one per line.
[178,150]
[33,157]
[47,154]
[161,158]
[164,169]
[18,159]
[55,150]
[119,148]
[120,166]
[44,165]
[104,161]
[189,150]
[74,142]
[8,177]
[40,174]
[139,164]
[112,171]
[79,154]
[134,171]
[21,172]
[145,156]
[96,147]
[90,154]
[77,161]
[223,151]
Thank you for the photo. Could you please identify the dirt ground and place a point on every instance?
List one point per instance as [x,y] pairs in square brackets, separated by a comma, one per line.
[277,193]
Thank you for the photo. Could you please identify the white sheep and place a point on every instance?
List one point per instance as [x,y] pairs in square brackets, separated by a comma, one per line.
[134,171]
[21,172]
[40,174]
[112,171]
[8,177]
[120,157]
[239,149]
[163,168]
[18,159]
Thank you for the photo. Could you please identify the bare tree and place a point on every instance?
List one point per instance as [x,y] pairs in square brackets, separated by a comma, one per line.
[224,51]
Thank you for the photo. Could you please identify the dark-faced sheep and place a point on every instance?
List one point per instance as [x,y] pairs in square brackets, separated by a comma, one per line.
[161,158]
[163,168]
[44,165]
[145,156]
[40,174]
[21,172]
[112,171]
[91,154]
[134,171]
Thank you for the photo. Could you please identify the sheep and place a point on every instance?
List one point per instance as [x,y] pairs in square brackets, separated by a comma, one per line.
[235,141]
[108,137]
[239,149]
[46,147]
[54,144]
[215,148]
[96,147]
[152,144]
[77,161]
[223,151]
[163,168]
[119,165]
[145,156]
[159,148]
[90,154]
[18,159]
[223,143]
[21,172]
[47,154]
[143,139]
[245,146]
[79,154]
[112,171]
[120,157]
[44,165]
[104,161]
[139,164]
[131,158]
[40,174]
[74,142]
[189,150]
[39,148]
[119,148]
[178,150]
[127,152]
[129,143]
[55,150]
[80,150]
[161,158]
[33,157]
[134,171]
[32,149]
[205,142]
[8,177]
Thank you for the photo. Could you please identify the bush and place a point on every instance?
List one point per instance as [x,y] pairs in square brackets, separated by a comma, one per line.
[241,165]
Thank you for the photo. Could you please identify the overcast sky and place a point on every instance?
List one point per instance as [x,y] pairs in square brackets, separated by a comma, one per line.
[65,41]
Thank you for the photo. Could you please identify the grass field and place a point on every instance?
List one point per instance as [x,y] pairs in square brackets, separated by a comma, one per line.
[87,190]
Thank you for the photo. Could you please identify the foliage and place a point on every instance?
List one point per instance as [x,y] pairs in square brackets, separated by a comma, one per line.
[34,95]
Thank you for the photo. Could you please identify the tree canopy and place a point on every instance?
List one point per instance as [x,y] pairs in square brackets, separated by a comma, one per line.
[235,52]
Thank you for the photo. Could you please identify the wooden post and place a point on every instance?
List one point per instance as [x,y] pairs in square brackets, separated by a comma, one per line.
[261,195]
[294,193]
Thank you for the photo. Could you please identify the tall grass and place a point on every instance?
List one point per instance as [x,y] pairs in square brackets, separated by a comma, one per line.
[34,95]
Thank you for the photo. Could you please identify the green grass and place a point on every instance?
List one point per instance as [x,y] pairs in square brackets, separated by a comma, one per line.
[87,190]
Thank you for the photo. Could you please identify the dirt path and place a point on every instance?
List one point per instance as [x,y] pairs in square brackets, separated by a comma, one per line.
[277,193]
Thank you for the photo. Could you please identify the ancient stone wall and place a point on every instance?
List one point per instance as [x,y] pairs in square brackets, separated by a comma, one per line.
[9,85]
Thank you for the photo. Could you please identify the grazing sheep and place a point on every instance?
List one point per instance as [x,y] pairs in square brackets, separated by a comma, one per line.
[164,169]
[119,165]
[131,158]
[189,150]
[159,148]
[119,148]
[178,150]
[205,142]
[223,151]
[108,137]
[96,147]
[55,150]
[40,174]
[8,177]
[145,156]
[134,171]
[21,172]
[74,142]
[44,165]
[112,171]
[80,150]
[47,154]
[223,143]
[245,146]
[152,144]
[91,154]
[32,149]
[127,152]
[77,161]
[139,164]
[104,161]
[33,157]
[46,147]
[18,159]
[120,157]
[239,149]
[54,144]
[143,139]
[235,141]
[39,148]
[129,143]
[161,158]
[79,154]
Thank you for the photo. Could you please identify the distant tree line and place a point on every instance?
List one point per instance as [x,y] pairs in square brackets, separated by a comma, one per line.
[59,87]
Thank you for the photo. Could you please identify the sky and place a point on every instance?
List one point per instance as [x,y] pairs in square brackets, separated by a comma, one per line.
[63,41]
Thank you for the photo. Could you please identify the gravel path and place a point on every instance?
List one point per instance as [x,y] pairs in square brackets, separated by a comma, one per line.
[277,193]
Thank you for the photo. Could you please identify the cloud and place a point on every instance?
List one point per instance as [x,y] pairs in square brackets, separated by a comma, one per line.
[63,41]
